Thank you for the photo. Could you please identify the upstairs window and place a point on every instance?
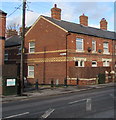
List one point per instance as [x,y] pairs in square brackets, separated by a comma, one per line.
[79,44]
[31,47]
[6,56]
[93,45]
[105,47]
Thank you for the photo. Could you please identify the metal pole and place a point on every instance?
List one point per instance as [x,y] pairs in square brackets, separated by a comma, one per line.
[22,48]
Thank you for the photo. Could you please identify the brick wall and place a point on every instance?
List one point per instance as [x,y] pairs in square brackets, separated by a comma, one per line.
[87,72]
[49,41]
[13,55]
[88,43]
[47,38]
[2,38]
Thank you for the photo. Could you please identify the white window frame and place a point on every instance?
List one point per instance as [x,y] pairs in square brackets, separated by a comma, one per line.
[95,65]
[105,47]
[93,46]
[78,39]
[19,50]
[6,56]
[79,63]
[106,63]
[32,76]
[31,47]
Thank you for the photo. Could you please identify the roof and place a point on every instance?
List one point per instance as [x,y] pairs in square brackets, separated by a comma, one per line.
[13,41]
[81,29]
[3,12]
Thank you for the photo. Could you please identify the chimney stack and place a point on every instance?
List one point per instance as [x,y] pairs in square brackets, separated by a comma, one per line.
[2,46]
[2,37]
[11,32]
[83,20]
[20,30]
[56,12]
[103,24]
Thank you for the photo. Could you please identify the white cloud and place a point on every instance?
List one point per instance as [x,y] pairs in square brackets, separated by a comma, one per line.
[62,0]
[14,20]
[94,10]
[94,25]
[71,12]
[31,17]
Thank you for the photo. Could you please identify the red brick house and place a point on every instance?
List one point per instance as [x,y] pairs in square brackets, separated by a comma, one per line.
[12,49]
[13,46]
[2,35]
[56,50]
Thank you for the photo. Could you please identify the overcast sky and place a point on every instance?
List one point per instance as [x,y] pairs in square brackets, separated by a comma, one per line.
[70,11]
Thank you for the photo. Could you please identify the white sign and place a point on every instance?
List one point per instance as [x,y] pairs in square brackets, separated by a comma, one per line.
[11,82]
[62,53]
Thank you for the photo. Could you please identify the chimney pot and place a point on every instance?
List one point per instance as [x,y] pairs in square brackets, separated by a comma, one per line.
[11,32]
[55,5]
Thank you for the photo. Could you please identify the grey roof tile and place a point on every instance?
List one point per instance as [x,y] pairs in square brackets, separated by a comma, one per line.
[13,41]
[2,12]
[78,28]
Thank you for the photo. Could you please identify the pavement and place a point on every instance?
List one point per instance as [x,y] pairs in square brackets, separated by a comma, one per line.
[52,91]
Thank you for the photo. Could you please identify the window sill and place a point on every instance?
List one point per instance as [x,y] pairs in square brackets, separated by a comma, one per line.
[80,51]
[79,66]
[106,53]
[19,54]
[94,52]
[31,53]
[30,77]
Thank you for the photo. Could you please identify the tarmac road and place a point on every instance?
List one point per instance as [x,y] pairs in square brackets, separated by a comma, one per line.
[95,103]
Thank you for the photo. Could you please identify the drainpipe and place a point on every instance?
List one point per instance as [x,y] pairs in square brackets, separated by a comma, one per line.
[113,70]
[44,67]
[67,34]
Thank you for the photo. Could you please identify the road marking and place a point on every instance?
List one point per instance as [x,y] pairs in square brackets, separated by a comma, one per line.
[76,101]
[16,115]
[47,113]
[88,104]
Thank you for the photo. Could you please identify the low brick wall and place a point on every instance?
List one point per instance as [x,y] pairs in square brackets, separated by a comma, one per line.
[87,72]
[82,81]
[87,82]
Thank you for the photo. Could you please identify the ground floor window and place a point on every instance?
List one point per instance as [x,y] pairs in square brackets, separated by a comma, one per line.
[30,71]
[106,63]
[79,63]
[94,63]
